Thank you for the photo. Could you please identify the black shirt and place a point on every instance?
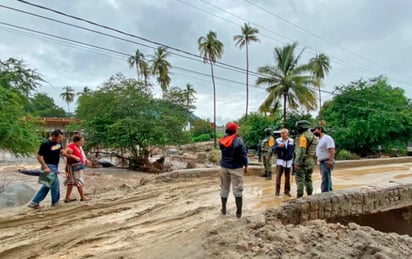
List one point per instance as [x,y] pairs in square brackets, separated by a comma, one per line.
[50,151]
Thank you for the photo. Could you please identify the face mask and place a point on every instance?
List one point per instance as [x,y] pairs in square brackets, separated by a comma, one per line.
[316,134]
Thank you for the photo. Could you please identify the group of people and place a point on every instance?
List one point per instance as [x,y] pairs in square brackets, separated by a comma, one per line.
[49,155]
[292,155]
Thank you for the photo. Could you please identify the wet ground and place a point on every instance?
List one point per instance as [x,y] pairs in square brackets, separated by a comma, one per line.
[133,215]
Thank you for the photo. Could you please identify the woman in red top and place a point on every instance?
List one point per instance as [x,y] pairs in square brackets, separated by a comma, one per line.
[74,169]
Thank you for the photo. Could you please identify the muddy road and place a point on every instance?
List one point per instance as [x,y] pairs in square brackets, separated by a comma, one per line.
[136,215]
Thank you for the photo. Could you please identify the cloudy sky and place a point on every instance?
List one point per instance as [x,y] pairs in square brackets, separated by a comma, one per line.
[364,39]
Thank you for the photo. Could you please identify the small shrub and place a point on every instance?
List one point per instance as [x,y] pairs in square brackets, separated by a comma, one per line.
[202,138]
[344,154]
[214,156]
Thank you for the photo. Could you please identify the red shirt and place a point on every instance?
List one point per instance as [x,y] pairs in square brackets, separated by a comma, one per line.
[76,152]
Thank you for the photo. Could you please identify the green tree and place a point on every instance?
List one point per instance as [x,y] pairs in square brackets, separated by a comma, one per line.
[68,96]
[211,49]
[17,128]
[243,40]
[17,77]
[160,68]
[288,80]
[201,127]
[137,60]
[123,114]
[42,105]
[183,97]
[320,65]
[365,114]
[252,129]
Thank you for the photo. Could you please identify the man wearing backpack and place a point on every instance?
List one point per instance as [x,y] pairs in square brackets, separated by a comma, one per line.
[305,146]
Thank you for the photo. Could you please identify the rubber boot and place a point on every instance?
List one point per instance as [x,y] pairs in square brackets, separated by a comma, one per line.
[223,210]
[269,176]
[239,203]
[264,175]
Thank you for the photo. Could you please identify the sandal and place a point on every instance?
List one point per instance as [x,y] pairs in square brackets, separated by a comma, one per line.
[86,199]
[70,200]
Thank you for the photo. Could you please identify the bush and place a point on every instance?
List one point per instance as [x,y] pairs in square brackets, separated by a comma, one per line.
[344,154]
[214,156]
[202,137]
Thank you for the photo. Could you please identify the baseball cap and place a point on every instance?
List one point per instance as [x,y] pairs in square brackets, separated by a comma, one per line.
[232,126]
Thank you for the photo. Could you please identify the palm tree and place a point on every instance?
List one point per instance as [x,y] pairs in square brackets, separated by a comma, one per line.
[248,35]
[136,61]
[320,65]
[288,80]
[68,96]
[189,94]
[145,71]
[211,49]
[160,67]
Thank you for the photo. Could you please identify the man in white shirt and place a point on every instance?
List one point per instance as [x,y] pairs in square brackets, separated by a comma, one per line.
[325,151]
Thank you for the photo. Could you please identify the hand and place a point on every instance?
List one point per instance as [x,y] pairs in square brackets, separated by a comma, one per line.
[245,170]
[281,145]
[330,164]
[88,163]
[47,170]
[296,167]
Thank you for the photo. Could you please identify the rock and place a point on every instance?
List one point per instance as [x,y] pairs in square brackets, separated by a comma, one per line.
[15,195]
[242,246]
[201,158]
[257,221]
[352,226]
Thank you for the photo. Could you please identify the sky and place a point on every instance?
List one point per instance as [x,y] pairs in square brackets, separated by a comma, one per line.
[363,39]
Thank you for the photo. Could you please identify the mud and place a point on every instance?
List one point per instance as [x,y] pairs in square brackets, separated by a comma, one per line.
[133,215]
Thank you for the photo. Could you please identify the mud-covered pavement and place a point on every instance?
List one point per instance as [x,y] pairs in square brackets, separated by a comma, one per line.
[133,215]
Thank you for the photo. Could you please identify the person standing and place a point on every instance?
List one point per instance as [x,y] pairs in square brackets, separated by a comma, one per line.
[234,163]
[49,156]
[266,152]
[74,168]
[284,148]
[305,146]
[325,151]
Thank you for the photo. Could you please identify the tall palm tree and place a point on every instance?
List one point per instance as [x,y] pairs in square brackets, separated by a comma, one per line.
[248,35]
[136,61]
[68,95]
[160,67]
[320,65]
[288,80]
[211,49]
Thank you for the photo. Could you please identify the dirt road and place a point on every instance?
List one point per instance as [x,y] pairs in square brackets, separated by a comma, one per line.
[133,215]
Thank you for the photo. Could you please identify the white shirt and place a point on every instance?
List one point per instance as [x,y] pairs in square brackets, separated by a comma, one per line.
[322,149]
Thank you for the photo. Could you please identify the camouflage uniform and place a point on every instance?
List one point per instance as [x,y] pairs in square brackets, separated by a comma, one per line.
[266,149]
[305,147]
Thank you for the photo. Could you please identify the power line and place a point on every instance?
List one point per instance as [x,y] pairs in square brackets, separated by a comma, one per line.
[218,63]
[131,35]
[334,59]
[323,38]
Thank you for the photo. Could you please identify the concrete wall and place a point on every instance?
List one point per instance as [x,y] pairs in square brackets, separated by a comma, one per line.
[342,203]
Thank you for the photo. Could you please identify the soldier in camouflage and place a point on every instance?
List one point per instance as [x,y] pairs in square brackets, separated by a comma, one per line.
[266,151]
[305,146]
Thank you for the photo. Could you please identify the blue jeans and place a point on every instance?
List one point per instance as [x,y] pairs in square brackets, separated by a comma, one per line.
[325,172]
[54,189]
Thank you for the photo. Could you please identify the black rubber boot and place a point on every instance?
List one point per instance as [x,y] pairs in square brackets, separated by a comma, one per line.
[264,175]
[269,176]
[239,203]
[223,209]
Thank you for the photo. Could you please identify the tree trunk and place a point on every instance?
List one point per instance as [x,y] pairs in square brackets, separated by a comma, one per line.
[247,81]
[284,110]
[214,105]
[320,104]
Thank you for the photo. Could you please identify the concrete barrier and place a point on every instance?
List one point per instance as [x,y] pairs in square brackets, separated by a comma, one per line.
[342,203]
